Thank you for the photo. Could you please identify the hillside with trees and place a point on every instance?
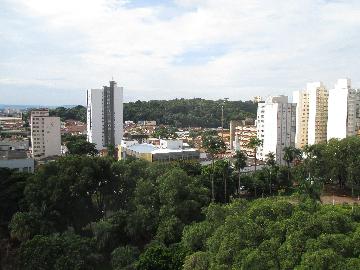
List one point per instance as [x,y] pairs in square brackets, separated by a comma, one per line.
[195,112]
[178,112]
[89,212]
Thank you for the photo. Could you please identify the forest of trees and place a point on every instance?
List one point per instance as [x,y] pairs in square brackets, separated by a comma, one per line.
[178,112]
[88,212]
[195,112]
[76,113]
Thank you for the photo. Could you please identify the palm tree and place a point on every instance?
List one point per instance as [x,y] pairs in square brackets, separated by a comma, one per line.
[271,162]
[213,145]
[290,154]
[240,163]
[255,143]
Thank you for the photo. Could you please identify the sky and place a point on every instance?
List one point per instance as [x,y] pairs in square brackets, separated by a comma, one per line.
[51,51]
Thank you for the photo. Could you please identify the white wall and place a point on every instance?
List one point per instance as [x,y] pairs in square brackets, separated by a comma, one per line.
[52,137]
[94,117]
[337,112]
[119,112]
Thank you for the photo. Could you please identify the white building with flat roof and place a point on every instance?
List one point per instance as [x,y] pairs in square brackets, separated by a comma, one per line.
[344,106]
[45,134]
[276,126]
[105,115]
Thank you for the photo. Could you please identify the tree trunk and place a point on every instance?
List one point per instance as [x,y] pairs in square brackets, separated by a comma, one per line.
[255,160]
[239,189]
[288,172]
[225,187]
[212,181]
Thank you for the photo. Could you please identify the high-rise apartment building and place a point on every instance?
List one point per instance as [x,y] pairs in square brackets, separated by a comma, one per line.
[301,98]
[105,115]
[45,134]
[311,114]
[276,125]
[344,107]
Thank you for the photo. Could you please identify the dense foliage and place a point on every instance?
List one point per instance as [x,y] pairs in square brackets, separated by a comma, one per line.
[189,112]
[84,212]
[178,112]
[74,113]
[274,234]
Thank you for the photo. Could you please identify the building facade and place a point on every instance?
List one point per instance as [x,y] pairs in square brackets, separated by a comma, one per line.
[344,107]
[311,114]
[45,134]
[105,115]
[276,126]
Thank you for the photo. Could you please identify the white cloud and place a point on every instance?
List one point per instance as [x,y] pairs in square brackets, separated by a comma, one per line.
[271,46]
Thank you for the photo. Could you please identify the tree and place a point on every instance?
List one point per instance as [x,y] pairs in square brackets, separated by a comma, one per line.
[240,163]
[271,162]
[213,145]
[77,145]
[58,252]
[163,132]
[124,258]
[12,186]
[255,143]
[290,154]
[158,256]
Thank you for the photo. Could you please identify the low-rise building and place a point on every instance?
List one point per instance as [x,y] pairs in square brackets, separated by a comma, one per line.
[16,159]
[167,150]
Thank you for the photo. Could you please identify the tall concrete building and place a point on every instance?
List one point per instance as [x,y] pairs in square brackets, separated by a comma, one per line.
[344,107]
[311,114]
[45,134]
[276,126]
[105,115]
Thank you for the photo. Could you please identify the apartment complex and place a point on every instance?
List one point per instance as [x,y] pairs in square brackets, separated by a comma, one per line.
[344,106]
[311,114]
[105,115]
[276,126]
[45,134]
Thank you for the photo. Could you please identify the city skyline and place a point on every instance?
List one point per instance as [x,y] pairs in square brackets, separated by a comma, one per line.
[54,51]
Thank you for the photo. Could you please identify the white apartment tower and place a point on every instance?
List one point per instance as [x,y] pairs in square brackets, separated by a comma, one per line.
[45,134]
[105,115]
[311,114]
[276,125]
[344,106]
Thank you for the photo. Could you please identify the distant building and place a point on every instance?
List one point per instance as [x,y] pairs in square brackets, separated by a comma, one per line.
[105,115]
[344,110]
[311,114]
[147,123]
[11,123]
[45,134]
[168,150]
[234,124]
[15,143]
[243,135]
[16,159]
[276,126]
[73,127]
[257,99]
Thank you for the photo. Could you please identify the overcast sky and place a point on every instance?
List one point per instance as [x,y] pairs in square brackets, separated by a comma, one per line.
[51,51]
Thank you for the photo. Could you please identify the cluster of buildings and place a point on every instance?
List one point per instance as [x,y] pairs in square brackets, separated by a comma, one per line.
[105,127]
[315,115]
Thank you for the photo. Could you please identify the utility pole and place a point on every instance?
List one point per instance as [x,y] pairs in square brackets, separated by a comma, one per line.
[222,122]
[222,118]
